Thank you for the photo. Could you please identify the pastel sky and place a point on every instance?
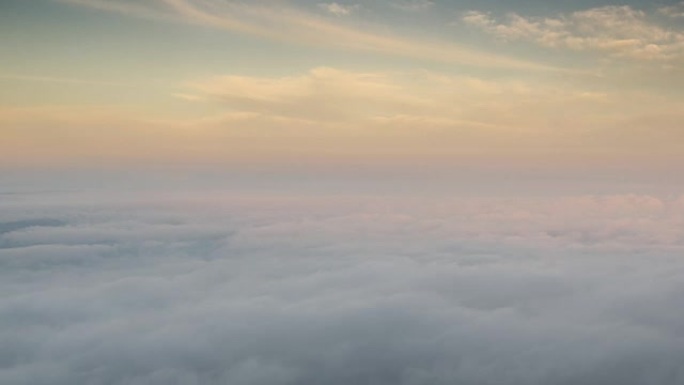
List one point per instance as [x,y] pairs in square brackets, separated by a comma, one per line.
[340,85]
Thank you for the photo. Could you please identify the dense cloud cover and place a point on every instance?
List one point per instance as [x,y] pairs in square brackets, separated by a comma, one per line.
[227,289]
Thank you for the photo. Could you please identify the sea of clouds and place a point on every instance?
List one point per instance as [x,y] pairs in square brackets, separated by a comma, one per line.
[239,289]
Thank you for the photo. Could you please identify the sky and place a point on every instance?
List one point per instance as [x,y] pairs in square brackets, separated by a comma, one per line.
[387,192]
[337,88]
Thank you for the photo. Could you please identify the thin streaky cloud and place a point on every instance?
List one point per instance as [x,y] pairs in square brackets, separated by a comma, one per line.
[126,8]
[292,25]
[49,79]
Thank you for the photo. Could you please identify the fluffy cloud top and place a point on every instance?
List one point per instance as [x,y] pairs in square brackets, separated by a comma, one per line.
[338,290]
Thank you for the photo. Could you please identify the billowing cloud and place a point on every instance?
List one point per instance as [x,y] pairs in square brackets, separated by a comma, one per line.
[229,288]
[620,31]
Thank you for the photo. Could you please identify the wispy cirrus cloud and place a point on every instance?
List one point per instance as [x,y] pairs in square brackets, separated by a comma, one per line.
[298,26]
[619,31]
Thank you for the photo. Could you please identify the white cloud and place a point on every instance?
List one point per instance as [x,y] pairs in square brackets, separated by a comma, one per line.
[620,31]
[225,288]
[477,18]
[339,9]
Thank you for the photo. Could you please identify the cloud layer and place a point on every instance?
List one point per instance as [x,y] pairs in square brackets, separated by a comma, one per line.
[214,289]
